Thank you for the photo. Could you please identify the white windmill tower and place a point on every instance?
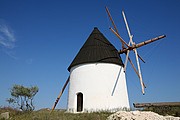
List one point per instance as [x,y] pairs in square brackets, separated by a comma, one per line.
[97,74]
[97,80]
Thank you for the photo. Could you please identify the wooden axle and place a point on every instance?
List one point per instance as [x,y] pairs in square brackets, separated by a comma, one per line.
[160,104]
[141,44]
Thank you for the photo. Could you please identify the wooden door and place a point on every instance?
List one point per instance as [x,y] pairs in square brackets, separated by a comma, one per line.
[79,102]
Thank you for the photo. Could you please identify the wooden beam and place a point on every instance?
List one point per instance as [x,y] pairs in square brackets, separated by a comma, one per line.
[120,38]
[60,94]
[141,44]
[112,21]
[139,71]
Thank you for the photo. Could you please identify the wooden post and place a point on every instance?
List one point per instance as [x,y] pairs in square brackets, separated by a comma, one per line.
[60,94]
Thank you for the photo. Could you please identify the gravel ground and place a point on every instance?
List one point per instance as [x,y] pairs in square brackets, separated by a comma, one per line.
[139,115]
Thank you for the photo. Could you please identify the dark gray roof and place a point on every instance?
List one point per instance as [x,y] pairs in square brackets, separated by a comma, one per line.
[97,49]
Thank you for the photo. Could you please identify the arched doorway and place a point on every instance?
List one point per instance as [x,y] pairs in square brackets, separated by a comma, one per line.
[79,102]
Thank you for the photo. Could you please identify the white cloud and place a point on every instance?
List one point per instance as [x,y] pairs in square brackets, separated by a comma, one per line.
[7,38]
[11,54]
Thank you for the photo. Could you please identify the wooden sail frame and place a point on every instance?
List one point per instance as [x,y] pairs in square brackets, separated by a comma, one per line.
[131,47]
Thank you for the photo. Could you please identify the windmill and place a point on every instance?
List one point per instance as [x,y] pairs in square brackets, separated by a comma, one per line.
[99,63]
[131,46]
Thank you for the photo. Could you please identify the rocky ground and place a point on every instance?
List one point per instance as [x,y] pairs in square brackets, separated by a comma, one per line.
[139,115]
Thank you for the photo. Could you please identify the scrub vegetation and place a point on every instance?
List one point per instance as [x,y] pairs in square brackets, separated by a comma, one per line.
[173,111]
[45,114]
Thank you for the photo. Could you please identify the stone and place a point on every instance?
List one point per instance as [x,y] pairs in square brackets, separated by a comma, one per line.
[139,115]
[4,115]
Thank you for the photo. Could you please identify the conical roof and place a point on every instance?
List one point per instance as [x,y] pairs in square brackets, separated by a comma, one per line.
[97,49]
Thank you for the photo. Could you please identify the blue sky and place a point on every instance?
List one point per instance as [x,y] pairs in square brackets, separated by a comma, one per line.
[39,39]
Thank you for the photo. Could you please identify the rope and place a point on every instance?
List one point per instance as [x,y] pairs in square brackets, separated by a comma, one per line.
[158,46]
[133,83]
[150,52]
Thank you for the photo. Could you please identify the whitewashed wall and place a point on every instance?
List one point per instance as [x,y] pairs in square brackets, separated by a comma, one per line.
[103,86]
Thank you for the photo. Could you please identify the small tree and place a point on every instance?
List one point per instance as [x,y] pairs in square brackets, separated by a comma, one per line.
[23,97]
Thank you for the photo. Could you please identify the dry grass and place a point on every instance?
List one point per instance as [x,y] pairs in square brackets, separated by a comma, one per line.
[56,115]
[44,114]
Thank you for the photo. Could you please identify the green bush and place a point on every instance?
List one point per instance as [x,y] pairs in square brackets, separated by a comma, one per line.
[22,97]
